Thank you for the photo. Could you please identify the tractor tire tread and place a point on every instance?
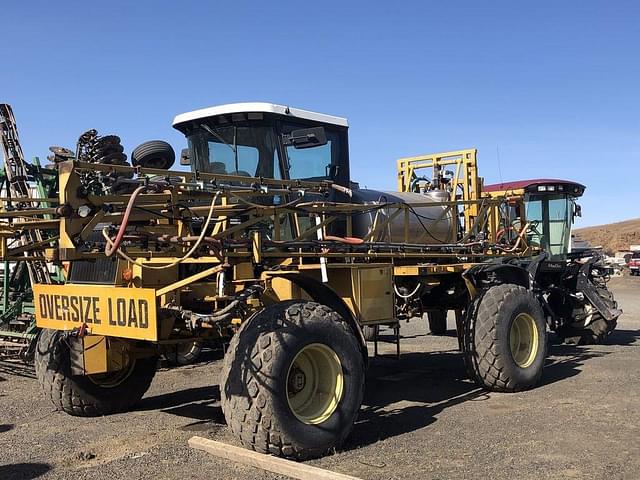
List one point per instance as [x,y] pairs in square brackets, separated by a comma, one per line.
[483,358]
[153,147]
[67,394]
[252,421]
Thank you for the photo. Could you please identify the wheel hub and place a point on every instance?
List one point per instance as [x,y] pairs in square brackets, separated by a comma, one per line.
[297,380]
[315,383]
[112,379]
[523,340]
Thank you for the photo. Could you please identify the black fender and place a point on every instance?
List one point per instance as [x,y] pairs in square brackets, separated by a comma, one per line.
[324,295]
[484,275]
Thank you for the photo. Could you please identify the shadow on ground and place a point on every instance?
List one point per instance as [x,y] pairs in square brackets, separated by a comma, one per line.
[23,471]
[199,403]
[563,360]
[407,394]
[402,395]
[623,337]
[5,427]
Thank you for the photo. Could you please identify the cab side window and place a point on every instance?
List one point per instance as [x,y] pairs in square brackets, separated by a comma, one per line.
[314,163]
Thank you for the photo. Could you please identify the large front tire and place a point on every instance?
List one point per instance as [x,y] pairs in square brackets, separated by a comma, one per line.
[293,380]
[505,339]
[88,395]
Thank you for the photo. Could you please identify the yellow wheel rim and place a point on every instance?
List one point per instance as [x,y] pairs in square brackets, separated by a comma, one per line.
[523,340]
[112,379]
[315,383]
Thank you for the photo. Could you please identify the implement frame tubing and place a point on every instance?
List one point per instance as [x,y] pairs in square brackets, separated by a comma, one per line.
[197,190]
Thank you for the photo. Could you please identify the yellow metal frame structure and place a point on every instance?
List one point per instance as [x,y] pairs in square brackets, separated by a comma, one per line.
[465,186]
[296,260]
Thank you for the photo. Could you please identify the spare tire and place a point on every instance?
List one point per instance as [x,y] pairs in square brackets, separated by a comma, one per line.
[154,154]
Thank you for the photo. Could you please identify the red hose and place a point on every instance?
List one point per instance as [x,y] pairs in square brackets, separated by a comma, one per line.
[347,240]
[112,248]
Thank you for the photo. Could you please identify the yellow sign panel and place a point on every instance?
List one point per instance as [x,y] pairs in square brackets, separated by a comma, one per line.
[112,311]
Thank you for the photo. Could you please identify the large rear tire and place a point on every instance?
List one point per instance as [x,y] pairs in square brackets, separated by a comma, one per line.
[505,339]
[293,380]
[88,395]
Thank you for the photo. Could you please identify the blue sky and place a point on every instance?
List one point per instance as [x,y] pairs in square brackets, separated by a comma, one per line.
[554,85]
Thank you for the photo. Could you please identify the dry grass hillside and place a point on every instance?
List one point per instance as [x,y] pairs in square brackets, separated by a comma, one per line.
[613,236]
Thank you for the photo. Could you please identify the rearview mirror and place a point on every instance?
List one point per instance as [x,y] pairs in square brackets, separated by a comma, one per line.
[185,159]
[305,138]
[578,210]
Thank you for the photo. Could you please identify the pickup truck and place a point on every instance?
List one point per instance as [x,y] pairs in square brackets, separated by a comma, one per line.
[634,263]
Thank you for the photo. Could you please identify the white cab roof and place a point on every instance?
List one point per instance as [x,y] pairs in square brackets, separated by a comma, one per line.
[258,107]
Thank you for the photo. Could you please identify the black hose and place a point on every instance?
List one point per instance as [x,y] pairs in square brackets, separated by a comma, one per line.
[229,311]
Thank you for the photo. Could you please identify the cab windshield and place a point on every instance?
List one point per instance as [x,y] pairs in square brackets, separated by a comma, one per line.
[245,150]
[256,149]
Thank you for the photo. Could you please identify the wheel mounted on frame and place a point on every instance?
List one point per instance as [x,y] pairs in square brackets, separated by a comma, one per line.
[293,380]
[505,339]
[88,395]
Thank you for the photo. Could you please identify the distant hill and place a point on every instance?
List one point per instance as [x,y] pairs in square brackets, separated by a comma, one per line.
[613,236]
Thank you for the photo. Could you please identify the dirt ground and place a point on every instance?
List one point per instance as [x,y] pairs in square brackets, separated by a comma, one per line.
[421,418]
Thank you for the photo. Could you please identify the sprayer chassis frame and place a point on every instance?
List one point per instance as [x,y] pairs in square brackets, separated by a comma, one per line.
[287,269]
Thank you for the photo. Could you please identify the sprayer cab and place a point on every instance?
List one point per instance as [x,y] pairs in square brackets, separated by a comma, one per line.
[551,204]
[267,140]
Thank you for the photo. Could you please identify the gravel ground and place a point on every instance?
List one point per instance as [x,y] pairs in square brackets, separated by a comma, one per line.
[421,419]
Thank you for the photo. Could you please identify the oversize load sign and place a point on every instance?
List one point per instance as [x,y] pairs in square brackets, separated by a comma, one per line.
[111,311]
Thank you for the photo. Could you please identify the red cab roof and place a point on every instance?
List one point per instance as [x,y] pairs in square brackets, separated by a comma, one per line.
[531,186]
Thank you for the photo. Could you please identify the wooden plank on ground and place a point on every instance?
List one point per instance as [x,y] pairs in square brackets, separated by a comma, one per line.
[265,462]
